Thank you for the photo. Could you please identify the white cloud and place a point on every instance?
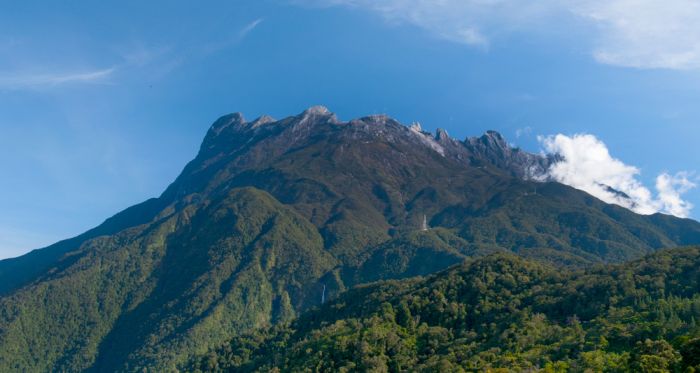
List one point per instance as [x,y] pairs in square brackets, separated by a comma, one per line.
[671,189]
[645,33]
[460,21]
[525,131]
[231,40]
[140,55]
[588,165]
[472,36]
[22,81]
[249,27]
[629,33]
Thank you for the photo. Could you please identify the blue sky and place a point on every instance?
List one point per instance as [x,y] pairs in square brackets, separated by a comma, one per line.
[102,105]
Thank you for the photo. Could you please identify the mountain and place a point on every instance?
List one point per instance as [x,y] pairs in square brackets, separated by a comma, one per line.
[493,148]
[274,216]
[498,312]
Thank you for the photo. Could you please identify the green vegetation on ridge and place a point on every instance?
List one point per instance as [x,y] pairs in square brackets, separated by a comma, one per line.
[152,295]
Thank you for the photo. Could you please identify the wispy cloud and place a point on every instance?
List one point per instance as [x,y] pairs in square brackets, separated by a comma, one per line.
[628,33]
[249,27]
[588,165]
[242,33]
[470,36]
[39,80]
[525,131]
[139,54]
[454,20]
[645,33]
[155,60]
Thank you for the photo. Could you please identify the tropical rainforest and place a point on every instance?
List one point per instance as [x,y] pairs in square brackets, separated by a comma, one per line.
[499,313]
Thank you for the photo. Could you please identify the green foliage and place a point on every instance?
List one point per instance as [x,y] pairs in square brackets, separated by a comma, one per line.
[654,357]
[499,312]
[153,295]
[690,351]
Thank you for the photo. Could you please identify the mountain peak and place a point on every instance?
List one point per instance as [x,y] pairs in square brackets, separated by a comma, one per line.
[315,115]
[232,131]
[262,120]
[416,127]
[493,147]
[227,121]
[489,142]
[494,139]
[317,110]
[442,135]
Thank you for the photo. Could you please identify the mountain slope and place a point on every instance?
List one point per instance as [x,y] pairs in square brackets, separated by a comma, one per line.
[16,272]
[272,217]
[146,294]
[367,180]
[496,312]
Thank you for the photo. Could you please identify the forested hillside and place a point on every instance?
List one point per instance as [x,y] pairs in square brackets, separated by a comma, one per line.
[500,312]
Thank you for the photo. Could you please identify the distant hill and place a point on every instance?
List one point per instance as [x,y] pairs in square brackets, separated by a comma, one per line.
[273,216]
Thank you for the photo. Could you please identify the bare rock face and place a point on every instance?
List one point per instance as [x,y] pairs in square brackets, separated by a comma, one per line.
[494,149]
[490,150]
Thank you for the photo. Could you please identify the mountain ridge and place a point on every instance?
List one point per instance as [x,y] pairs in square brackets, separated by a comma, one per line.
[272,216]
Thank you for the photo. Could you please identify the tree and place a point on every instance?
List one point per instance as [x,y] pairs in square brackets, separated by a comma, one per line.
[691,353]
[654,357]
[404,317]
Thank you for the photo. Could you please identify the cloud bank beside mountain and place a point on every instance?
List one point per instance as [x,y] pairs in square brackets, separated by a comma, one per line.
[587,165]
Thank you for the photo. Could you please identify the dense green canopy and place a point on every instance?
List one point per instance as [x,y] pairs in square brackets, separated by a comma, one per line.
[498,312]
